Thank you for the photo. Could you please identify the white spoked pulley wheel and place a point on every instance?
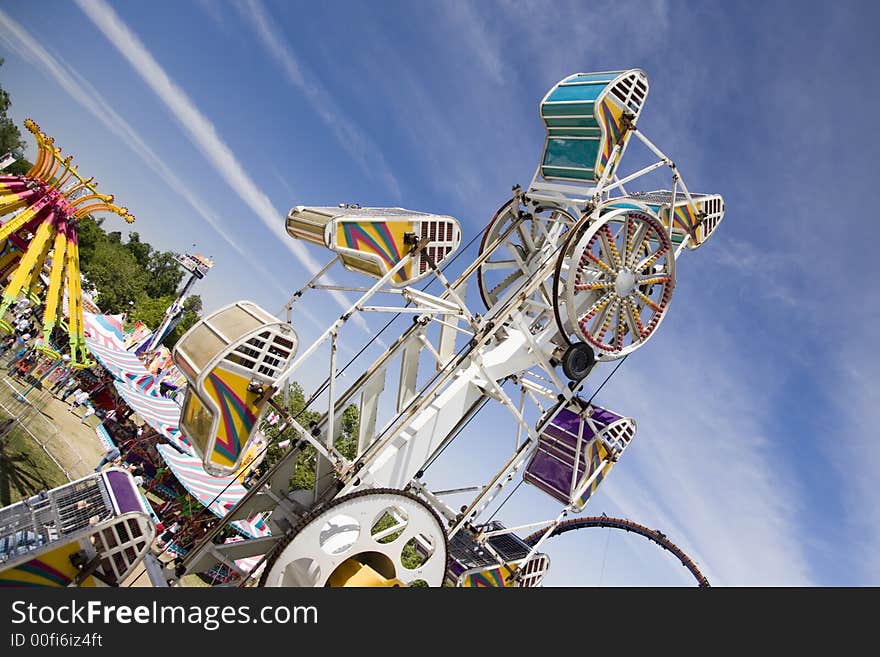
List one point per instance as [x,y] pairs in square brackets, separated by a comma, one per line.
[617,280]
[521,240]
[397,536]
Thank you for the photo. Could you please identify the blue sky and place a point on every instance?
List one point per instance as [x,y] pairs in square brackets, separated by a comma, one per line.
[756,400]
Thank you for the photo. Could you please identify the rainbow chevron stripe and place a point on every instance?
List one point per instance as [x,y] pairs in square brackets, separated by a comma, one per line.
[380,238]
[684,217]
[51,569]
[494,578]
[609,115]
[597,454]
[237,416]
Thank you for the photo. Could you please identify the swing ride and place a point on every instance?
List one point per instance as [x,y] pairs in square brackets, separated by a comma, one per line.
[571,272]
[45,205]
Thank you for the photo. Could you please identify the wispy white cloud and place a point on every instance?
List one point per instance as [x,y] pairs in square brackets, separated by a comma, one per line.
[200,131]
[855,452]
[283,181]
[355,142]
[568,33]
[475,35]
[705,466]
[214,10]
[20,41]
[448,161]
[764,272]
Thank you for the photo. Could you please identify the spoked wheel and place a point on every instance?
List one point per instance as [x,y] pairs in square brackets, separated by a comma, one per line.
[521,240]
[614,279]
[378,537]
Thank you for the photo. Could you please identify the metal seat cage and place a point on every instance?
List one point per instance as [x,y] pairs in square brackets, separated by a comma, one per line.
[103,514]
[370,241]
[228,358]
[605,114]
[574,450]
[497,562]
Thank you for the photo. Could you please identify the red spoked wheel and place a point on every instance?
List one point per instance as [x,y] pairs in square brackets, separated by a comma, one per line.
[614,280]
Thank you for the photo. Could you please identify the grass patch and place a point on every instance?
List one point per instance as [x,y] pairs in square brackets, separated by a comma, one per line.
[25,469]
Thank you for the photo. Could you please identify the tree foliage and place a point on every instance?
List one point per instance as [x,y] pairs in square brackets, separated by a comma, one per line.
[304,475]
[10,137]
[150,311]
[132,277]
[115,273]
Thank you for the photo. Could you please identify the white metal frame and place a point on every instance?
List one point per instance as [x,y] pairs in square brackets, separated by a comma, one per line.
[502,345]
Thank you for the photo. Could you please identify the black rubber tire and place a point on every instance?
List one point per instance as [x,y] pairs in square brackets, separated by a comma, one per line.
[578,360]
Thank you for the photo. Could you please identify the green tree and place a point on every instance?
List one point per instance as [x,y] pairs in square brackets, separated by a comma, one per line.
[347,442]
[89,235]
[10,135]
[165,274]
[140,250]
[114,272]
[304,475]
[149,310]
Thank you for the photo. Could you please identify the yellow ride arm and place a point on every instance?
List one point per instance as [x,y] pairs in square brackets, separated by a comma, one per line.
[55,279]
[74,301]
[22,274]
[19,220]
[34,282]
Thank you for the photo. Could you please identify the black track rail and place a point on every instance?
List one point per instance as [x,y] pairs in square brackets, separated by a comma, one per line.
[629,526]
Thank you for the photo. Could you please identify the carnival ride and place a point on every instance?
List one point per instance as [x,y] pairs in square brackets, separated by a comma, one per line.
[197,265]
[572,272]
[45,205]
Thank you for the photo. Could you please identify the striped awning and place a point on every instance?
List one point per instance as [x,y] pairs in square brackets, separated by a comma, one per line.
[126,367]
[160,413]
[219,494]
[106,340]
[104,330]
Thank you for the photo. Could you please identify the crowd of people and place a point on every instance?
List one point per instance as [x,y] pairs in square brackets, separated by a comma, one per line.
[133,445]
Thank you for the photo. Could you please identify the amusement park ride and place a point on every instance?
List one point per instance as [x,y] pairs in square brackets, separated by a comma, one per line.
[571,271]
[48,201]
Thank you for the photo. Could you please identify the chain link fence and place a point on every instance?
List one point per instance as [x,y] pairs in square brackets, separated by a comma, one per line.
[23,406]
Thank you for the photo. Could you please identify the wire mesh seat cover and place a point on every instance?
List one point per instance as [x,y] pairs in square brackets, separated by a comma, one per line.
[473,565]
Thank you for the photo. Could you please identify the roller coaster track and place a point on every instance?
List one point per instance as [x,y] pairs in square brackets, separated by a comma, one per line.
[628,526]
